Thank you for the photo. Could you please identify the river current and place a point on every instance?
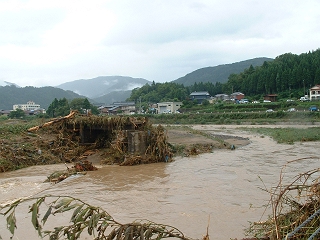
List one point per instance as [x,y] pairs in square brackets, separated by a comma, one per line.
[221,190]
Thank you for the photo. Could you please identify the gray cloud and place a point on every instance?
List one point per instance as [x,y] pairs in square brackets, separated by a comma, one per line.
[48,43]
[25,27]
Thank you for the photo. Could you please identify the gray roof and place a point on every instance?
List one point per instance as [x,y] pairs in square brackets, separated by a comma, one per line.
[113,108]
[237,93]
[200,93]
[124,103]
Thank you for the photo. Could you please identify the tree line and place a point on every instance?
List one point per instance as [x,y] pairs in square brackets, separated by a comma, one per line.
[63,107]
[289,75]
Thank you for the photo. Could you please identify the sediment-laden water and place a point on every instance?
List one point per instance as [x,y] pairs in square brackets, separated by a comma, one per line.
[223,186]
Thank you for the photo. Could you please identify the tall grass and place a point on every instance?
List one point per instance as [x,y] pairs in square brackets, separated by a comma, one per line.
[289,135]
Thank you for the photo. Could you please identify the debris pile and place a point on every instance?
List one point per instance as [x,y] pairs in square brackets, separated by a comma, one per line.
[118,139]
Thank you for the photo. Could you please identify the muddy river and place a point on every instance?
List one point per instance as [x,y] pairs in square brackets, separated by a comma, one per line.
[223,186]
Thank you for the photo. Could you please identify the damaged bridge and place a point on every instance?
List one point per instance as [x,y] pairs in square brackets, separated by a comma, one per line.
[124,140]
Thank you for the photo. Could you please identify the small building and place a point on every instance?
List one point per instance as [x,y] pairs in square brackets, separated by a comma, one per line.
[271,97]
[221,97]
[4,112]
[237,96]
[168,107]
[27,107]
[125,108]
[35,112]
[315,93]
[200,96]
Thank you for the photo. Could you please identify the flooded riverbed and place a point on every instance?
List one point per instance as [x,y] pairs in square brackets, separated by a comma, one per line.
[223,185]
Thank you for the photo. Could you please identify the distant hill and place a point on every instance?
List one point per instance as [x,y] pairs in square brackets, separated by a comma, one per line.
[10,95]
[115,96]
[100,86]
[109,89]
[219,73]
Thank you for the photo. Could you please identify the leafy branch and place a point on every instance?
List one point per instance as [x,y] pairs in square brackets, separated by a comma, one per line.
[97,222]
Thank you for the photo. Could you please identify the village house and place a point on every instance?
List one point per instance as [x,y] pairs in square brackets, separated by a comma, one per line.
[168,107]
[5,112]
[237,96]
[200,96]
[315,93]
[270,97]
[35,112]
[125,108]
[221,97]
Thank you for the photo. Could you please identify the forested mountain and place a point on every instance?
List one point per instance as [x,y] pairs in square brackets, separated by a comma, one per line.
[288,72]
[219,73]
[157,92]
[289,75]
[10,95]
[99,86]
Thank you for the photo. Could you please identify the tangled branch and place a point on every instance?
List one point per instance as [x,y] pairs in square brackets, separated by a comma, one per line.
[292,206]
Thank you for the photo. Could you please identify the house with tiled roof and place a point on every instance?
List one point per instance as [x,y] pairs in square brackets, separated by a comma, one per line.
[200,96]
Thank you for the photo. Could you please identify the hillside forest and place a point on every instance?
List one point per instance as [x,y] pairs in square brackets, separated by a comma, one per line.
[288,75]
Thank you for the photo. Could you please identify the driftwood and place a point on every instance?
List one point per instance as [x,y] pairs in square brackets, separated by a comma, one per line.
[80,167]
[295,208]
[36,128]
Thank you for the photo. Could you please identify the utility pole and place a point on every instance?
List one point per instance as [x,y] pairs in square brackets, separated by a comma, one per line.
[140,104]
[304,89]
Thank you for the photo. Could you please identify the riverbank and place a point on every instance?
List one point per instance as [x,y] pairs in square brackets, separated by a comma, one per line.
[21,148]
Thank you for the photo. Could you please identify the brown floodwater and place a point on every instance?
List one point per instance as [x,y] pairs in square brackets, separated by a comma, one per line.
[224,186]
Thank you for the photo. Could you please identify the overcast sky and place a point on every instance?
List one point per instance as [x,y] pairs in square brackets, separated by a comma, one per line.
[49,42]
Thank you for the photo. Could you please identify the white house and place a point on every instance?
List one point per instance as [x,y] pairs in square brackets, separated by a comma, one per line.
[315,93]
[168,107]
[222,97]
[26,107]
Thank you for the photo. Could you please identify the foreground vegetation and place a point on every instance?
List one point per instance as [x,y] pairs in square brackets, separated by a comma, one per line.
[85,218]
[295,208]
